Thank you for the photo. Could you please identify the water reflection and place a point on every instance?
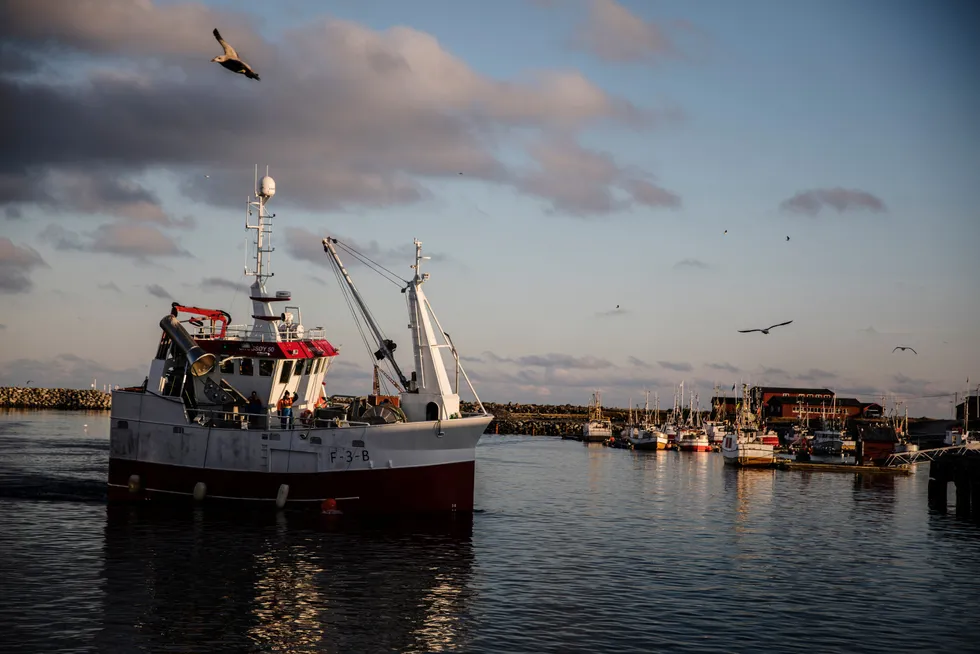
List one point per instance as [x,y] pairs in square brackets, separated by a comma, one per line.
[752,492]
[199,580]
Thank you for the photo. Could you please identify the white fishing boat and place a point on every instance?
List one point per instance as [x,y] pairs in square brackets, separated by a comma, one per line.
[645,435]
[212,419]
[745,447]
[596,428]
[693,440]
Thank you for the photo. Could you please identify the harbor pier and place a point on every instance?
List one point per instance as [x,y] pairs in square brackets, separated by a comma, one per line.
[963,469]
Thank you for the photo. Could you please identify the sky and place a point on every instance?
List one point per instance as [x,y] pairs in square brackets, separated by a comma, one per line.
[609,190]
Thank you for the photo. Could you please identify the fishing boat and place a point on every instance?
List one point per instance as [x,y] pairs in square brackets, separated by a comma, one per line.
[596,429]
[240,412]
[645,435]
[693,440]
[745,447]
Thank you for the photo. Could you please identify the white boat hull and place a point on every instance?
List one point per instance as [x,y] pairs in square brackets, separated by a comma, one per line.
[397,466]
[744,454]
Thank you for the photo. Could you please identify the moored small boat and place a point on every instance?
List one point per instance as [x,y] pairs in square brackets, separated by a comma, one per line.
[596,429]
[745,447]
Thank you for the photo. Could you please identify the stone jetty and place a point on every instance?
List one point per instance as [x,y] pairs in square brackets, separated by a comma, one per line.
[12,397]
[543,419]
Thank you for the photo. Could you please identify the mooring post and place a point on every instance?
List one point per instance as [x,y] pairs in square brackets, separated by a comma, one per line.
[937,487]
[975,496]
[962,479]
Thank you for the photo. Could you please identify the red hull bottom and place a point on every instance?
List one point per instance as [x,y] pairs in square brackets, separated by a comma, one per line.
[424,489]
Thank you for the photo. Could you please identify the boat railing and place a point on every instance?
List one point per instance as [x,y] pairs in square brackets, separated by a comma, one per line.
[267,419]
[244,332]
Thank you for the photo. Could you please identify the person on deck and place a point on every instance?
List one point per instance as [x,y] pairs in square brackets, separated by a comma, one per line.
[292,419]
[254,410]
[285,408]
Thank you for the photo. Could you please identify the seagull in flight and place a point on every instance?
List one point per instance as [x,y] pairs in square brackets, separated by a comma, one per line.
[231,60]
[903,348]
[766,330]
[787,238]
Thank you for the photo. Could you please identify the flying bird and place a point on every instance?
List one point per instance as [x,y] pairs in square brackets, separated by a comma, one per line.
[726,231]
[231,60]
[617,306]
[787,238]
[903,348]
[766,330]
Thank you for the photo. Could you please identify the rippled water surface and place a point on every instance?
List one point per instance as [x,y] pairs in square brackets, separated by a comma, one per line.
[574,548]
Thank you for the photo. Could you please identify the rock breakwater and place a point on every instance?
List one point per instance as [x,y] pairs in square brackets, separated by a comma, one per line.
[12,397]
[542,419]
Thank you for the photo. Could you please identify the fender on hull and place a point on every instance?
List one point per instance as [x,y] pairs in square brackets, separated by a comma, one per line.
[421,489]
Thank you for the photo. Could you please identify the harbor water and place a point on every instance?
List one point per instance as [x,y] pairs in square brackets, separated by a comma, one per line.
[573,548]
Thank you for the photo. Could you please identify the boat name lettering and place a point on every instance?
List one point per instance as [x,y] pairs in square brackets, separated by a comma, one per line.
[350,455]
[258,349]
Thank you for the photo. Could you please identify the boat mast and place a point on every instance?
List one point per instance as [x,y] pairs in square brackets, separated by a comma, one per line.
[386,346]
[966,409]
[264,319]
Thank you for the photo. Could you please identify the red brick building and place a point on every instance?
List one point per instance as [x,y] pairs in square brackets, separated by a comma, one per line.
[815,408]
[762,394]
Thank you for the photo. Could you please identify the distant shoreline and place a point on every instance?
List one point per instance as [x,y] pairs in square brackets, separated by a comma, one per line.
[518,418]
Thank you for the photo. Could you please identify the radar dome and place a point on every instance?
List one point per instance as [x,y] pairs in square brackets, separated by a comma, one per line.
[267,187]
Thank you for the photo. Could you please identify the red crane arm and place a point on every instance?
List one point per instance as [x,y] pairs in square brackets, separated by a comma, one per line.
[214,315]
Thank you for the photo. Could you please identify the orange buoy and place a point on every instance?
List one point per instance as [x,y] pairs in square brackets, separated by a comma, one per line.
[329,507]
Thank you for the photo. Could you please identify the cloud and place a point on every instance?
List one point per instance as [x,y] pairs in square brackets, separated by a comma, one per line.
[98,192]
[634,361]
[16,264]
[350,116]
[306,245]
[583,182]
[67,371]
[318,280]
[158,291]
[110,286]
[692,264]
[614,34]
[772,371]
[611,312]
[727,367]
[2,326]
[813,201]
[504,383]
[219,283]
[127,27]
[814,374]
[910,386]
[553,360]
[138,241]
[681,366]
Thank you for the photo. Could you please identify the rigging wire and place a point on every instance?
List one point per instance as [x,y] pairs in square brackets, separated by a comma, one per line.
[361,321]
[345,292]
[371,263]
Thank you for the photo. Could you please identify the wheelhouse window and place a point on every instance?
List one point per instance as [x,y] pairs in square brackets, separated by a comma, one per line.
[299,367]
[265,367]
[227,367]
[287,370]
[245,367]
